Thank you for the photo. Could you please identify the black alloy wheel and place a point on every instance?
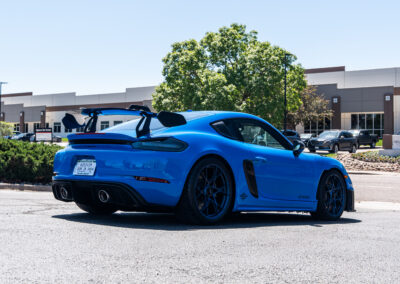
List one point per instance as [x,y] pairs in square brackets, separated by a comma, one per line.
[353,148]
[373,144]
[208,194]
[331,197]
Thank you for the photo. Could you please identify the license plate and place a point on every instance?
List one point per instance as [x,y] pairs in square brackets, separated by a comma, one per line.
[85,167]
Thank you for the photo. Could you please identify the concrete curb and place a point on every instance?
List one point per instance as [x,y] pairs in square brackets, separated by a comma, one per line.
[22,187]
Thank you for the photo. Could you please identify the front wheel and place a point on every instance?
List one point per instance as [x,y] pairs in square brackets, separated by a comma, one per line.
[353,149]
[373,144]
[335,149]
[96,210]
[331,197]
[208,193]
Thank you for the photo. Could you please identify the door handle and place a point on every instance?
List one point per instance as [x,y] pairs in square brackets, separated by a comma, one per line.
[260,160]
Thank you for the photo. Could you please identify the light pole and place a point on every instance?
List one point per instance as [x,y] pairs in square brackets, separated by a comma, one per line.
[285,102]
[1,84]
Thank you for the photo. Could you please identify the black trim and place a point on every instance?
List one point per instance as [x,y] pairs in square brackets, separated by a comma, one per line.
[249,172]
[100,141]
[123,196]
[350,201]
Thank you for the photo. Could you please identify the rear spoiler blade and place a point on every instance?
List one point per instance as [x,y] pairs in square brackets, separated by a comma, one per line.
[167,119]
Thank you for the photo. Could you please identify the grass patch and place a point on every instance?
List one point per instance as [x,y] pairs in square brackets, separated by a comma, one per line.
[331,155]
[64,139]
[373,156]
[379,143]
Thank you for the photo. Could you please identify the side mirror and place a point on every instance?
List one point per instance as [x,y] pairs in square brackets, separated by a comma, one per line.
[341,137]
[298,147]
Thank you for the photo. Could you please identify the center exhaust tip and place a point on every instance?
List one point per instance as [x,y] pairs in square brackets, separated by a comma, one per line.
[103,196]
[64,193]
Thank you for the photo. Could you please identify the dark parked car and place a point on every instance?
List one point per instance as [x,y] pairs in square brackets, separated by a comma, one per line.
[23,136]
[291,135]
[363,137]
[305,137]
[333,141]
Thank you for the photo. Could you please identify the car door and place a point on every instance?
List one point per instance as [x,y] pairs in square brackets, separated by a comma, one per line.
[363,138]
[344,143]
[280,175]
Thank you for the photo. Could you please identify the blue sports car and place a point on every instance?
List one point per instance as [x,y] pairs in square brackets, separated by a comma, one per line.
[202,165]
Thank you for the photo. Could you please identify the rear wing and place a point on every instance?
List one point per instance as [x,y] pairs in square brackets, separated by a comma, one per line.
[168,119]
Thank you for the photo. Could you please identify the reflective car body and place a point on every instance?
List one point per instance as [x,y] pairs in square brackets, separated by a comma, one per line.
[156,178]
[327,140]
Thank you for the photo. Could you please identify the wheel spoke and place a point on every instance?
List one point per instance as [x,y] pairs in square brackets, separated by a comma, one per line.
[211,191]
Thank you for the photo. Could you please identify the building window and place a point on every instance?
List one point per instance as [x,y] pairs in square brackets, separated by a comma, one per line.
[116,122]
[104,125]
[80,129]
[57,127]
[67,130]
[318,126]
[26,130]
[354,121]
[361,121]
[36,126]
[16,127]
[373,122]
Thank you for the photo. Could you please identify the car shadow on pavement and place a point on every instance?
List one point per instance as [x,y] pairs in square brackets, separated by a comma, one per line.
[169,222]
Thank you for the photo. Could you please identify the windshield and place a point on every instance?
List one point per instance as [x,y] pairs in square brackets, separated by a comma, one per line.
[329,134]
[354,132]
[305,135]
[155,124]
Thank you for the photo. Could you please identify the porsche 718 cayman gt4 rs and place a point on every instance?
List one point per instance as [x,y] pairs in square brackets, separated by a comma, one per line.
[202,165]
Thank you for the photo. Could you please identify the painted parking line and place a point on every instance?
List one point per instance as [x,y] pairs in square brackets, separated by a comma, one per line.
[378,205]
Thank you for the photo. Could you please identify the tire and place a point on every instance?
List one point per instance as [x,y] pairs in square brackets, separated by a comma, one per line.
[97,210]
[208,194]
[331,200]
[335,149]
[312,151]
[373,144]
[353,148]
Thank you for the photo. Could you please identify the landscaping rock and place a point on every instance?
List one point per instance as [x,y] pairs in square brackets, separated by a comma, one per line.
[352,164]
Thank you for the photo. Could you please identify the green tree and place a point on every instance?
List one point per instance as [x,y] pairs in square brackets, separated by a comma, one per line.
[313,107]
[6,129]
[229,70]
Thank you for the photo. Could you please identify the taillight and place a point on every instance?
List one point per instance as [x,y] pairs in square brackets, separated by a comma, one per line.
[160,144]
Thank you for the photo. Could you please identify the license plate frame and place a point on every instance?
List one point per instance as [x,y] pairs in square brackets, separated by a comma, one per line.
[85,167]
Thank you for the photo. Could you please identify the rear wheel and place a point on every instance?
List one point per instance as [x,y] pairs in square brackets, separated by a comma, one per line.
[373,144]
[312,151]
[208,193]
[331,197]
[97,210]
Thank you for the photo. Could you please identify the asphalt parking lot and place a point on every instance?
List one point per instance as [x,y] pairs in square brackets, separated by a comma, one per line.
[46,241]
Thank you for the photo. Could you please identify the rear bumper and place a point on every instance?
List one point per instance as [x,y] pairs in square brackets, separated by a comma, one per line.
[122,196]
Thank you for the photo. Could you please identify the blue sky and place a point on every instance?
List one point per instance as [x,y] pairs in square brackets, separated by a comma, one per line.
[98,46]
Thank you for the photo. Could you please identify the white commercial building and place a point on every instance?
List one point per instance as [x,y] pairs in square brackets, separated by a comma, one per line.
[28,111]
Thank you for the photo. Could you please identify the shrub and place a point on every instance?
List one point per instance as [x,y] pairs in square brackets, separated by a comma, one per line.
[6,128]
[373,156]
[26,162]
